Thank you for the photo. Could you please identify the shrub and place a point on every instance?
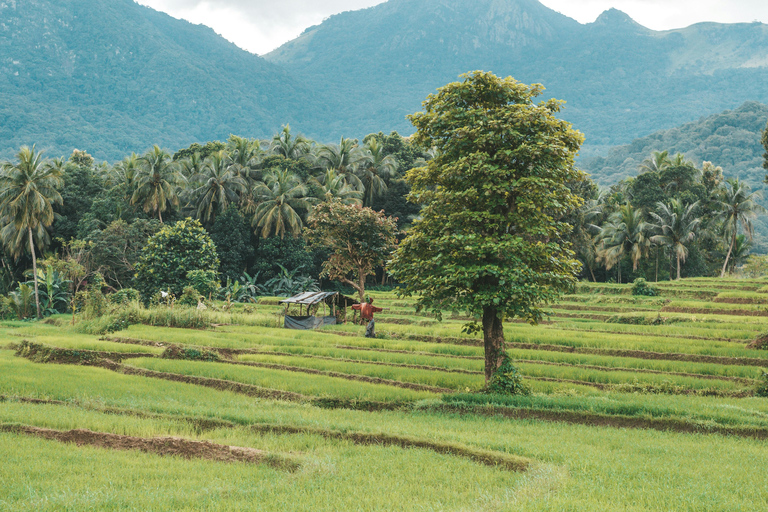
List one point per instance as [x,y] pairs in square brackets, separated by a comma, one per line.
[206,282]
[171,254]
[124,296]
[762,385]
[190,297]
[642,287]
[507,380]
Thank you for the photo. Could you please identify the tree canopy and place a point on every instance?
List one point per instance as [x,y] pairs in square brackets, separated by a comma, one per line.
[489,240]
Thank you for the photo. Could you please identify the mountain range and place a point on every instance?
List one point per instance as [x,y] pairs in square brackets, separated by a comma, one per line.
[111,76]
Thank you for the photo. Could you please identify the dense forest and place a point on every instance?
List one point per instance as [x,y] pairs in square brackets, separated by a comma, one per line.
[243,205]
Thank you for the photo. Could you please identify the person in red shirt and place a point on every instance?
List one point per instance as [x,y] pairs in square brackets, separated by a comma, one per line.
[367,309]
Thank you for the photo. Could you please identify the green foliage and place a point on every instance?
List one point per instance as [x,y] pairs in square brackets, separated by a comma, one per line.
[274,252]
[232,237]
[21,301]
[170,254]
[190,297]
[487,239]
[762,386]
[124,297]
[357,239]
[642,287]
[756,266]
[764,140]
[203,151]
[507,380]
[206,282]
[115,250]
[288,283]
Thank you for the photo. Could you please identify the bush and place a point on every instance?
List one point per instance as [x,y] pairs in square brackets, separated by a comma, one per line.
[171,254]
[642,287]
[507,380]
[206,282]
[762,385]
[190,297]
[124,296]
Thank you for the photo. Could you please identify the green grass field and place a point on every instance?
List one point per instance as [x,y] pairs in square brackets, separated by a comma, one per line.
[638,403]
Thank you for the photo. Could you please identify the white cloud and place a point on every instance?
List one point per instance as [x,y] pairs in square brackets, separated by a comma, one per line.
[260,26]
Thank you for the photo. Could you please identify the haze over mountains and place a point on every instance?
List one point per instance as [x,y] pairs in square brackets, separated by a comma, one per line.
[112,77]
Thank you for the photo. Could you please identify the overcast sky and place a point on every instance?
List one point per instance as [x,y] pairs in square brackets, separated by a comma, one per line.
[262,25]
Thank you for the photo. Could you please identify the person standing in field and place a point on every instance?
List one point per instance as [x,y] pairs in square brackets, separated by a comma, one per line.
[367,309]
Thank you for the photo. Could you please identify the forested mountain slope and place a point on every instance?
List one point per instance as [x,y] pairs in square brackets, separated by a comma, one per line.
[111,77]
[730,139]
[621,80]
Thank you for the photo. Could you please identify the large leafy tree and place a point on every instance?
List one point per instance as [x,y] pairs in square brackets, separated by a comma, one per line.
[489,240]
[28,191]
[345,158]
[677,225]
[170,254]
[738,207]
[277,201]
[357,239]
[157,182]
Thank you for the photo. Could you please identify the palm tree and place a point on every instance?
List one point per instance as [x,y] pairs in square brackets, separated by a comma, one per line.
[738,207]
[244,153]
[156,182]
[373,169]
[192,166]
[290,147]
[659,160]
[740,252]
[28,190]
[677,225]
[333,186]
[220,185]
[277,200]
[625,232]
[344,157]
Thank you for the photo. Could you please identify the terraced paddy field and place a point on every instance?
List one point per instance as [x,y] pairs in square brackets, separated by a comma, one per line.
[637,403]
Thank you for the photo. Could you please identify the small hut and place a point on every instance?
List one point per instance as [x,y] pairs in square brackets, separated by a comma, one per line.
[309,304]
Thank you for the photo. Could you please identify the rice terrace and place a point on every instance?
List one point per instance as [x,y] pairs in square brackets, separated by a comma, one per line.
[635,401]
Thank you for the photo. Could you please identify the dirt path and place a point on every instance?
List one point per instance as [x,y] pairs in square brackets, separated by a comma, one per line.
[173,446]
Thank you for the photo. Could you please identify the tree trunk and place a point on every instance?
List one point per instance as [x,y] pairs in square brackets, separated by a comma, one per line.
[160,216]
[493,339]
[361,285]
[656,280]
[34,270]
[727,256]
[678,267]
[593,274]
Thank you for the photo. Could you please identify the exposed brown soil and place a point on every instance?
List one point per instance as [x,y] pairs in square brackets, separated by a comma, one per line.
[604,420]
[560,314]
[43,353]
[220,384]
[759,343]
[485,457]
[135,341]
[597,385]
[704,311]
[348,376]
[175,446]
